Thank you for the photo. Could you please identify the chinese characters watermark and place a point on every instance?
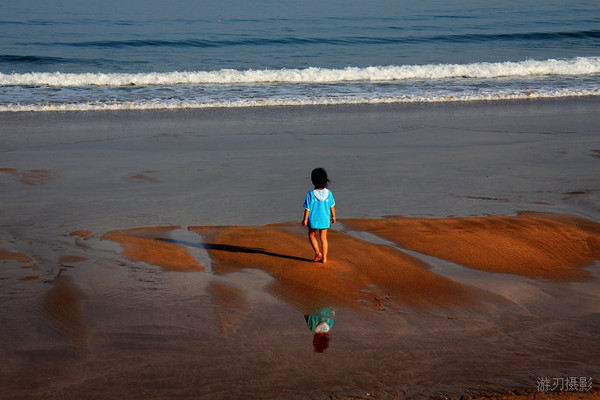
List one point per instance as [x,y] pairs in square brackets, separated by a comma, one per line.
[566,384]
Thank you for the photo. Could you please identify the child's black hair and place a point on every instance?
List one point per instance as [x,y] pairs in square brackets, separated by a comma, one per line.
[319,178]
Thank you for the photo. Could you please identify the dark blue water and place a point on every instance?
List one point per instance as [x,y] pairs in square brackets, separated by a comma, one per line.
[134,55]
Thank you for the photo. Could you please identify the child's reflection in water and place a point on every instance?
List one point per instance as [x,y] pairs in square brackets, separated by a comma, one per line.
[320,321]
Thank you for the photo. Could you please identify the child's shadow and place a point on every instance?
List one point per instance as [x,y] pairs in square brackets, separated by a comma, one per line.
[233,249]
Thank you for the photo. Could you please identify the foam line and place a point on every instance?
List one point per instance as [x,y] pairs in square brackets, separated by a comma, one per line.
[191,104]
[565,67]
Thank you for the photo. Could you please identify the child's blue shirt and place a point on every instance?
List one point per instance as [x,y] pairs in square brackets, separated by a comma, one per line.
[320,315]
[319,202]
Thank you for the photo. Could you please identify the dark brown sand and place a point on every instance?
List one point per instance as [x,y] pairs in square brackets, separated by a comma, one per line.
[232,306]
[62,304]
[544,396]
[524,396]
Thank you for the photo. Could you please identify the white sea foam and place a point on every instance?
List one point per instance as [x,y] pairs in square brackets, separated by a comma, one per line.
[565,67]
[274,102]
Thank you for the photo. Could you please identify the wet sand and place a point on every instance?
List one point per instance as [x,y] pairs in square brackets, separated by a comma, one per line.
[160,254]
[150,246]
[537,245]
[360,274]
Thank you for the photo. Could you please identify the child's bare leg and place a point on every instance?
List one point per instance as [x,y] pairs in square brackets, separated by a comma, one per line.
[324,244]
[312,236]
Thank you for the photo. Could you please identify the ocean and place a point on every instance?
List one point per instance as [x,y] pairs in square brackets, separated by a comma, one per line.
[112,55]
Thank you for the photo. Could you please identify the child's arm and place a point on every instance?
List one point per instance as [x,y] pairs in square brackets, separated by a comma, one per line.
[305,220]
[333,214]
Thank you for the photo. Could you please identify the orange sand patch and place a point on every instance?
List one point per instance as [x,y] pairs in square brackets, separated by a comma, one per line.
[142,177]
[8,255]
[154,246]
[81,236]
[80,233]
[72,259]
[62,305]
[358,272]
[30,278]
[532,244]
[31,177]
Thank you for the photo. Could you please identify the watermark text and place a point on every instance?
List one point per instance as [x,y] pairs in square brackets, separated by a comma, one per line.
[564,384]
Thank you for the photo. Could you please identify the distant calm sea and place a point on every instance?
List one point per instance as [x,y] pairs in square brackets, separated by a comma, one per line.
[134,54]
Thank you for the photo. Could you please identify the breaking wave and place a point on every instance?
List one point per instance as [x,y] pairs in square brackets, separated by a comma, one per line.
[528,68]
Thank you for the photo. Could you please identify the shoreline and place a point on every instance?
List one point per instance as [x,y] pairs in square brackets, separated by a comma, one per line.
[337,106]
[242,106]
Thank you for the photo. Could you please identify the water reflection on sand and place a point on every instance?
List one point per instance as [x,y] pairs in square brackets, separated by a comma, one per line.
[243,311]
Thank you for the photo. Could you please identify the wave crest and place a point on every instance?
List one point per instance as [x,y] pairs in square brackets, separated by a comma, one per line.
[567,67]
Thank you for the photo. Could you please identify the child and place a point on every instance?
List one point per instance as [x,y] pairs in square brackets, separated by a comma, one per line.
[319,213]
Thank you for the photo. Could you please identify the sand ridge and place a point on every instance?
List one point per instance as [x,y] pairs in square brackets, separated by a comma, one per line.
[154,246]
[536,245]
[359,273]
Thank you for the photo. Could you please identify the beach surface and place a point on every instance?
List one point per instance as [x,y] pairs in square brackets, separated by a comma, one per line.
[159,254]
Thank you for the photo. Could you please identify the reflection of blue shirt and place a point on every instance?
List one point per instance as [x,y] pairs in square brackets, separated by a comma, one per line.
[319,203]
[318,316]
